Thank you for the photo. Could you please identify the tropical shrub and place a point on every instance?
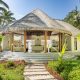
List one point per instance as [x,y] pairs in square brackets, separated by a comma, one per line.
[11,73]
[1,78]
[74,74]
[10,64]
[0,39]
[53,64]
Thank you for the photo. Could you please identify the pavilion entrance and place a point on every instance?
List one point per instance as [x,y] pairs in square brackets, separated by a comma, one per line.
[35,41]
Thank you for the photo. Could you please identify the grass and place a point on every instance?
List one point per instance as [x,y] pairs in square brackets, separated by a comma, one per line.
[15,72]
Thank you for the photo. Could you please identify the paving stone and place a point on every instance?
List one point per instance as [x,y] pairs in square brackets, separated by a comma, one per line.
[37,72]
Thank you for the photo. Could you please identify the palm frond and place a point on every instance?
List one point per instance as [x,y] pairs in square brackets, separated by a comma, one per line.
[4,4]
[2,9]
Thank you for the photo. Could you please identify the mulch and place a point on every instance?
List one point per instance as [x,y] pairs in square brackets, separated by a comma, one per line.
[16,62]
[54,73]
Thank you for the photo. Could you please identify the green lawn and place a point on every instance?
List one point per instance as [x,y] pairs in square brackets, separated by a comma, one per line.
[11,71]
[69,69]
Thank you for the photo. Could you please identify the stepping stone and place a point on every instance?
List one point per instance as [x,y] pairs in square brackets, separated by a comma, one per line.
[41,77]
[35,67]
[34,70]
[37,72]
[38,64]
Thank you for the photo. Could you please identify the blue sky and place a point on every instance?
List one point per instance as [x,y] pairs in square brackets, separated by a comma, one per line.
[57,9]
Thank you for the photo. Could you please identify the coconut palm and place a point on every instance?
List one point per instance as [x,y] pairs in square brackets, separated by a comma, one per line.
[6,17]
[73,18]
[4,5]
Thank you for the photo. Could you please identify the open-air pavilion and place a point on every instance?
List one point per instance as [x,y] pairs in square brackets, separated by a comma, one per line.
[37,32]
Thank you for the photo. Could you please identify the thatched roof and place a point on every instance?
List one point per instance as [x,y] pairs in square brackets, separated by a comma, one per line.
[37,20]
[69,27]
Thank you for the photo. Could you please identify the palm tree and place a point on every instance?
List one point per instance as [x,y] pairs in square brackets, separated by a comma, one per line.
[4,5]
[6,17]
[73,18]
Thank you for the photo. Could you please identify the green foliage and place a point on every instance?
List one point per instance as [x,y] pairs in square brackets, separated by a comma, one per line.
[7,17]
[1,38]
[60,58]
[9,73]
[53,64]
[0,77]
[72,18]
[75,73]
[10,64]
[69,70]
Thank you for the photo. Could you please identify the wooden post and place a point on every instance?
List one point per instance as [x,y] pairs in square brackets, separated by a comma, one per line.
[12,42]
[45,38]
[25,38]
[60,42]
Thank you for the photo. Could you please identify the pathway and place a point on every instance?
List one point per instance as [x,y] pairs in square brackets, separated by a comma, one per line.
[37,71]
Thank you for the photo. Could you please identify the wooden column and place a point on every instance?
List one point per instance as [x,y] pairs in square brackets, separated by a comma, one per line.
[45,38]
[12,42]
[60,42]
[25,38]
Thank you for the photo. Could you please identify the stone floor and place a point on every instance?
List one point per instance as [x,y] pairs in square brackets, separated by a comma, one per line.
[37,71]
[28,57]
[35,57]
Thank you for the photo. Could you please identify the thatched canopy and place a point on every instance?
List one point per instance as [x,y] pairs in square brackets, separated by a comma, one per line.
[69,27]
[38,20]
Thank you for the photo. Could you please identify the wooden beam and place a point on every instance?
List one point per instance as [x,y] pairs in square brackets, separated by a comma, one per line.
[25,38]
[45,38]
[60,42]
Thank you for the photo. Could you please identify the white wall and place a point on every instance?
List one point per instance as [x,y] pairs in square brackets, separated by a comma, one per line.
[78,45]
[5,42]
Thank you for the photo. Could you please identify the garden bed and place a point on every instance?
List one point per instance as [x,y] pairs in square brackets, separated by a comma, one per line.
[53,72]
[69,69]
[12,70]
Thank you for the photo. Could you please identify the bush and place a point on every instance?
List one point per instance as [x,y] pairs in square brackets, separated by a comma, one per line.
[67,69]
[1,78]
[53,64]
[0,39]
[78,57]
[74,75]
[11,71]
[10,64]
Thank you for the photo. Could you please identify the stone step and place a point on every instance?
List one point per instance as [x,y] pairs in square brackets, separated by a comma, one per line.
[38,64]
[34,70]
[35,73]
[31,67]
[41,77]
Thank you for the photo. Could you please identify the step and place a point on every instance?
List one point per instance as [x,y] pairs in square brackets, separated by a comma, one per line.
[35,70]
[40,77]
[34,67]
[35,73]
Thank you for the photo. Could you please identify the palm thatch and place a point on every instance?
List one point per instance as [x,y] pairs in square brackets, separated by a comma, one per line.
[38,20]
[69,27]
